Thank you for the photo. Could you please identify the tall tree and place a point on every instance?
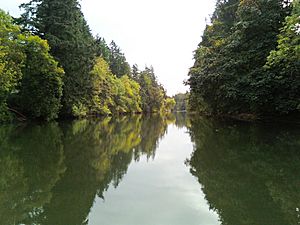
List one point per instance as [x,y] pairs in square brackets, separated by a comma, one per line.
[30,79]
[254,36]
[102,49]
[205,77]
[228,73]
[152,93]
[41,84]
[283,68]
[11,61]
[62,23]
[117,62]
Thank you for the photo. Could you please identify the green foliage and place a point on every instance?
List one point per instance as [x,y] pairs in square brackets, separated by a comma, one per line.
[152,93]
[113,56]
[30,79]
[111,94]
[103,88]
[63,25]
[228,76]
[168,104]
[283,67]
[131,98]
[90,77]
[102,49]
[11,61]
[206,74]
[41,85]
[181,102]
[117,61]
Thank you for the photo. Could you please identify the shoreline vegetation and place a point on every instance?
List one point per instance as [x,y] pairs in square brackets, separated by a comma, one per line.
[51,67]
[247,65]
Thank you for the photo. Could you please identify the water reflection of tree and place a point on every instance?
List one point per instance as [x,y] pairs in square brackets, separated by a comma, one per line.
[182,119]
[98,153]
[60,170]
[153,128]
[250,174]
[31,161]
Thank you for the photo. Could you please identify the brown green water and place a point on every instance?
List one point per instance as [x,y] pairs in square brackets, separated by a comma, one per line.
[150,171]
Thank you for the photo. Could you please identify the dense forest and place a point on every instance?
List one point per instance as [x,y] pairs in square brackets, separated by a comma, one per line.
[51,66]
[248,61]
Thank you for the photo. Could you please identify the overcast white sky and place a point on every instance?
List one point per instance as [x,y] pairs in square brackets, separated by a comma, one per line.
[161,33]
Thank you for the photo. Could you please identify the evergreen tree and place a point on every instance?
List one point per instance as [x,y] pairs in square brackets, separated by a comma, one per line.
[135,71]
[62,23]
[102,49]
[152,93]
[113,55]
[117,62]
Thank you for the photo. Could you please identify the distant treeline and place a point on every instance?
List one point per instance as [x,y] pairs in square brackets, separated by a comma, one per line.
[181,102]
[248,61]
[51,66]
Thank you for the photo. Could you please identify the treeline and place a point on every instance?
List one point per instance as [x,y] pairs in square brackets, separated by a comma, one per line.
[248,61]
[51,66]
[181,102]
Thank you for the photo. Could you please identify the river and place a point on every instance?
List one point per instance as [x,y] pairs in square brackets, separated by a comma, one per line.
[150,170]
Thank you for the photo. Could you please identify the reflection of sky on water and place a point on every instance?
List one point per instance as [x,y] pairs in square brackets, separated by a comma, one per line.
[157,192]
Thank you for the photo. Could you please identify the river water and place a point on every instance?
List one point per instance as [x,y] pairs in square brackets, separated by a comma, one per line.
[150,170]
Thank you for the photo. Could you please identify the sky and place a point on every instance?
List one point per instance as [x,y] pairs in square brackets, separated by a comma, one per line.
[161,33]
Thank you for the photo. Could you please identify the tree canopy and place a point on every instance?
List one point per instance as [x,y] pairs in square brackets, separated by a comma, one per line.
[31,80]
[234,72]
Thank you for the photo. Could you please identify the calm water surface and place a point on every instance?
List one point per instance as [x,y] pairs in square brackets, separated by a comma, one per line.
[153,170]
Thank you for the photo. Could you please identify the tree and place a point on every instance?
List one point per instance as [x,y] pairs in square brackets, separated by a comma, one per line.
[181,102]
[111,94]
[63,25]
[31,80]
[102,88]
[283,67]
[41,85]
[102,49]
[11,61]
[206,77]
[135,71]
[117,61]
[132,97]
[169,104]
[254,36]
[152,93]
[228,76]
